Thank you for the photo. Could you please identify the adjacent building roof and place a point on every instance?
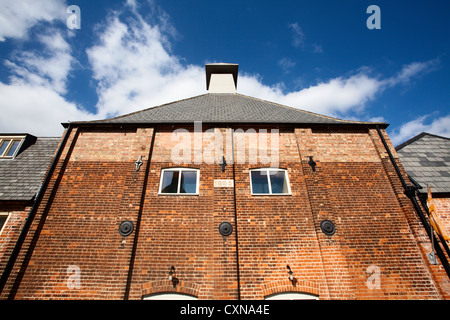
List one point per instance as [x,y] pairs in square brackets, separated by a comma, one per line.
[223,108]
[21,177]
[426,158]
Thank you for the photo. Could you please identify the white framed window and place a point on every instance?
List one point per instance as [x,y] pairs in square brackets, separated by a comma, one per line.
[179,181]
[292,296]
[269,181]
[169,296]
[4,216]
[9,146]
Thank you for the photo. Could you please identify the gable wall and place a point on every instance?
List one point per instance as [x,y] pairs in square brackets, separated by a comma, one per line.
[96,187]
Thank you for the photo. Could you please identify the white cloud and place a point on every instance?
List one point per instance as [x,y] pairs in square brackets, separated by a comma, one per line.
[286,64]
[376,119]
[134,68]
[338,96]
[298,37]
[132,4]
[413,70]
[48,67]
[317,48]
[17,17]
[33,99]
[439,126]
[36,109]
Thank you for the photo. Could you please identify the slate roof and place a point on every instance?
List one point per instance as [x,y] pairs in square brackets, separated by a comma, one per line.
[223,108]
[426,158]
[21,177]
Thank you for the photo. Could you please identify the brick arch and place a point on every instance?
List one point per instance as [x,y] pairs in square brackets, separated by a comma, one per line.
[166,286]
[301,286]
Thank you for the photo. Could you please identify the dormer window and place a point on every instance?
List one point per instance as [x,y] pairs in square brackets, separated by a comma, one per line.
[9,146]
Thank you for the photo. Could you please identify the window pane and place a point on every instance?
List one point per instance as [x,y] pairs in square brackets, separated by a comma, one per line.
[278,182]
[260,183]
[13,148]
[188,182]
[169,182]
[3,146]
[2,220]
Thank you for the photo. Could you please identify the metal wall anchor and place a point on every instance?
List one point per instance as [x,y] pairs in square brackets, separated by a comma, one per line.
[312,163]
[223,163]
[138,163]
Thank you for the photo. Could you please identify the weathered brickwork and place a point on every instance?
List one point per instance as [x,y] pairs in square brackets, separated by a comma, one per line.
[10,233]
[443,210]
[377,252]
[418,231]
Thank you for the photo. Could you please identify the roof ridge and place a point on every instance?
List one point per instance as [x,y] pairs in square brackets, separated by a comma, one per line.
[417,137]
[435,135]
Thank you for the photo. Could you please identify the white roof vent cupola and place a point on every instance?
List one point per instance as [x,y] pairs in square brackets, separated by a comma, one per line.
[221,77]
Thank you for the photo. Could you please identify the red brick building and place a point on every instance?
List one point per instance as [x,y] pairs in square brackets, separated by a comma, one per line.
[231,197]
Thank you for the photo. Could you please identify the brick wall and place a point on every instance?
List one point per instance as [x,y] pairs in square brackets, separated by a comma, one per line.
[437,272]
[8,237]
[76,225]
[442,206]
[96,186]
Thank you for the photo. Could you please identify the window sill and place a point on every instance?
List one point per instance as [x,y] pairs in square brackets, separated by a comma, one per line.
[271,194]
[178,194]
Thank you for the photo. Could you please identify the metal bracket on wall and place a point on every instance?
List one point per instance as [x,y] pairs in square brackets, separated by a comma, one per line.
[432,258]
[223,163]
[138,163]
[312,163]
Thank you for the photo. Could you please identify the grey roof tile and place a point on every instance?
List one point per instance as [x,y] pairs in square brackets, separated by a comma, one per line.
[20,178]
[222,108]
[444,174]
[432,152]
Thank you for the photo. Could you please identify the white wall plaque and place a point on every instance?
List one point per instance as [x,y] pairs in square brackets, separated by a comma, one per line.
[223,184]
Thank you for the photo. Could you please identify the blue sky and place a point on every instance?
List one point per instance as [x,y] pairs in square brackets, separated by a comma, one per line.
[315,55]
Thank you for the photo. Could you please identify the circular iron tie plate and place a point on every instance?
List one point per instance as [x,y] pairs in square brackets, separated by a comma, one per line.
[126,228]
[328,227]
[225,228]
